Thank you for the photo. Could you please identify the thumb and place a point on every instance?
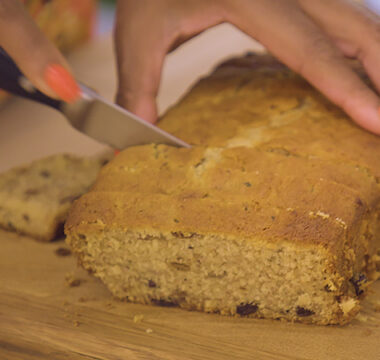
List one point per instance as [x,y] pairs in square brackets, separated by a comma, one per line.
[38,59]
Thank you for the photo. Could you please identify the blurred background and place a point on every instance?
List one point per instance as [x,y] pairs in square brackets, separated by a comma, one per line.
[82,30]
[71,23]
[105,17]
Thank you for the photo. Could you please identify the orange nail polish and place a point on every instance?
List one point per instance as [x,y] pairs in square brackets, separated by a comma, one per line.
[62,82]
[116,152]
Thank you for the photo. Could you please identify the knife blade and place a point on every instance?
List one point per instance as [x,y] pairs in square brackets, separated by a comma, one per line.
[111,124]
[91,114]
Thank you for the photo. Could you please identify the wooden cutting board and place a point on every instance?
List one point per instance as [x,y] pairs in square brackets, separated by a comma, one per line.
[51,309]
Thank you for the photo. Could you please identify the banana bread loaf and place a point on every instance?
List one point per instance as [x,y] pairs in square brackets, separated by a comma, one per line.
[273,213]
[35,198]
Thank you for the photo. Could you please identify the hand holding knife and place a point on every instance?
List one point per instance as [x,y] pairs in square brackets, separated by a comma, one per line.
[91,114]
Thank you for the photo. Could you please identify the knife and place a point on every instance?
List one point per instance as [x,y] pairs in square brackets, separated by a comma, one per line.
[91,114]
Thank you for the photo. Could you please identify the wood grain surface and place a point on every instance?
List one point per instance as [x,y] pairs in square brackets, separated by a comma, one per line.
[44,316]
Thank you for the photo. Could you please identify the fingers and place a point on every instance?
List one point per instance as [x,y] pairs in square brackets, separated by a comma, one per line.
[296,40]
[354,28]
[145,32]
[36,57]
[344,21]
[140,52]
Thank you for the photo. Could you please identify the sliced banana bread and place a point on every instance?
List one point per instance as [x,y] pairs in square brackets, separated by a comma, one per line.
[35,198]
[273,213]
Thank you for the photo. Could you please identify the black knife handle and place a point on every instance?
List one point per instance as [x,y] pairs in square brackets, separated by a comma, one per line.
[13,81]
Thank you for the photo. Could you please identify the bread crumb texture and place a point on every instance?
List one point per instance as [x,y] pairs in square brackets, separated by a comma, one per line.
[273,213]
[35,198]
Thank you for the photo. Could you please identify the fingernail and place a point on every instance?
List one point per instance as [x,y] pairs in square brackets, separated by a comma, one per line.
[62,82]
[116,152]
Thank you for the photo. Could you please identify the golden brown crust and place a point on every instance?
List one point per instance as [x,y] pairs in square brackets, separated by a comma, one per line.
[276,108]
[298,154]
[232,191]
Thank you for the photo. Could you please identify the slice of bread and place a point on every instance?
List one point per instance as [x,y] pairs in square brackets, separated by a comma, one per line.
[35,198]
[273,213]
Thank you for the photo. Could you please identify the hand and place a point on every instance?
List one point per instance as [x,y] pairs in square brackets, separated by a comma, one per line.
[37,58]
[311,37]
